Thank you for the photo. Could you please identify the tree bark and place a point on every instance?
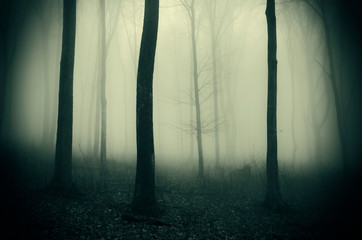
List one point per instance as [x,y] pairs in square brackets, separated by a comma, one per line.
[144,195]
[273,196]
[62,178]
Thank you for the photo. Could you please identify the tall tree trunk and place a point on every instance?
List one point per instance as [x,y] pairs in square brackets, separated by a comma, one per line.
[318,144]
[292,78]
[103,91]
[93,105]
[53,121]
[192,139]
[97,121]
[180,138]
[214,81]
[46,124]
[196,91]
[62,178]
[4,30]
[192,121]
[273,196]
[144,195]
[337,102]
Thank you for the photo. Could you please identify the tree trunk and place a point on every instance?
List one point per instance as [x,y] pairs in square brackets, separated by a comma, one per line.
[4,28]
[214,81]
[93,106]
[46,124]
[62,178]
[337,102]
[318,144]
[292,78]
[97,122]
[53,125]
[177,84]
[192,139]
[103,91]
[273,196]
[196,92]
[144,195]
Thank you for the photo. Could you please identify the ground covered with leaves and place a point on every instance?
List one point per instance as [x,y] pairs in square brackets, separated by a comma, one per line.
[225,205]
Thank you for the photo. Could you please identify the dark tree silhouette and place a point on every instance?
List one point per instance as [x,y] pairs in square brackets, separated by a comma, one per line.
[4,27]
[144,194]
[273,196]
[62,179]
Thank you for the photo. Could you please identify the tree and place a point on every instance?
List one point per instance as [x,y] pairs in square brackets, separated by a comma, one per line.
[318,91]
[4,29]
[9,11]
[220,20]
[103,89]
[144,194]
[105,42]
[273,198]
[62,179]
[190,7]
[319,7]
[215,34]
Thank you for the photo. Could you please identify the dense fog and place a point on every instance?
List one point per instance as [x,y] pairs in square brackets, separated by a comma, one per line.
[180,119]
[305,96]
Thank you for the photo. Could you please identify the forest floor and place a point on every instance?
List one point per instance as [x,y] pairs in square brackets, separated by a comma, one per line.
[223,206]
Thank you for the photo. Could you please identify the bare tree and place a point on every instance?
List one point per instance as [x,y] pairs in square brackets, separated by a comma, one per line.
[144,195]
[319,7]
[103,88]
[4,29]
[273,197]
[190,8]
[292,79]
[105,42]
[304,28]
[62,178]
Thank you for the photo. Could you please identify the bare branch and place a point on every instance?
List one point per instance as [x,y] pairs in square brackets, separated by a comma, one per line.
[323,68]
[318,12]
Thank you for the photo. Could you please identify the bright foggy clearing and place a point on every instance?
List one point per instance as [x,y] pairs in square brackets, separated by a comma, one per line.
[231,42]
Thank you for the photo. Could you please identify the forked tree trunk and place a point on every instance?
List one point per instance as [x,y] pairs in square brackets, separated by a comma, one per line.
[273,196]
[144,195]
[62,178]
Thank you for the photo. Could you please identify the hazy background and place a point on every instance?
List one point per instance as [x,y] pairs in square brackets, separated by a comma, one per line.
[32,95]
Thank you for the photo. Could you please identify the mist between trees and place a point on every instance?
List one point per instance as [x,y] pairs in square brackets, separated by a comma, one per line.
[199,84]
[230,39]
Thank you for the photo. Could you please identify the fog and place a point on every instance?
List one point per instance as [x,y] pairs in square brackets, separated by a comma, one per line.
[251,129]
[303,83]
